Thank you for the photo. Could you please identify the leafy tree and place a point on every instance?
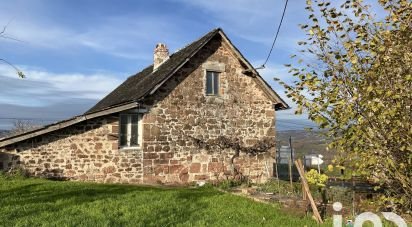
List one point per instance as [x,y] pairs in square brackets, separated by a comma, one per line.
[354,79]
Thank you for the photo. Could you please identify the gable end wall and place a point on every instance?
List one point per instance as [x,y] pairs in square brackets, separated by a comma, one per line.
[181,110]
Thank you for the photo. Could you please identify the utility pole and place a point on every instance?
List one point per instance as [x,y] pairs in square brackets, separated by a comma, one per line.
[290,162]
[291,149]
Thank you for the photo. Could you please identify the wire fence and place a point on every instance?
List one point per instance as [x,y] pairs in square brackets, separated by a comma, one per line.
[352,191]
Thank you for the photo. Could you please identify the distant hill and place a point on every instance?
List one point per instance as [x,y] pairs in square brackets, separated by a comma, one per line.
[4,133]
[306,142]
[44,114]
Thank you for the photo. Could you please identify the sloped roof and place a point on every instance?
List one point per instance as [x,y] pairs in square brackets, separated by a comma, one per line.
[63,124]
[139,85]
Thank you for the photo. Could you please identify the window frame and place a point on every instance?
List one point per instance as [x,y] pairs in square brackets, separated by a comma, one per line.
[129,129]
[215,74]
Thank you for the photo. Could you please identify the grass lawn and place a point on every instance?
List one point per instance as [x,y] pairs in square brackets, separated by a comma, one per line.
[34,202]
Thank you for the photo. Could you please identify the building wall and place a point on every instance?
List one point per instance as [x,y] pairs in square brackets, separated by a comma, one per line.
[87,151]
[179,111]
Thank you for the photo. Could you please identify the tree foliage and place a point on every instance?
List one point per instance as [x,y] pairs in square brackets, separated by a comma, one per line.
[354,79]
[316,178]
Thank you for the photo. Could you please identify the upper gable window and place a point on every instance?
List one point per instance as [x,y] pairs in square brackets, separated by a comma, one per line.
[212,83]
[130,130]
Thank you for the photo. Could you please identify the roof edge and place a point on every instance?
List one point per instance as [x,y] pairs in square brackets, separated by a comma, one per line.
[262,82]
[63,124]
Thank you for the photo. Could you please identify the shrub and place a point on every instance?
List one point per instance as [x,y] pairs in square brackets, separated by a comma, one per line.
[316,178]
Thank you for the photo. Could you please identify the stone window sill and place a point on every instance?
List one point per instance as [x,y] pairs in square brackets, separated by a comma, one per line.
[130,148]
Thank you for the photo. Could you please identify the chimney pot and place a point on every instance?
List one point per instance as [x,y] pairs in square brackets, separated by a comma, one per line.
[161,54]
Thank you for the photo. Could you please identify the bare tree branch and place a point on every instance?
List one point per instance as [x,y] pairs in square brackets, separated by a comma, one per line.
[21,126]
[5,36]
[18,71]
[223,142]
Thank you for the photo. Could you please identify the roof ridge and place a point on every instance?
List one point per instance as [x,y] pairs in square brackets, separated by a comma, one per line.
[164,64]
[187,45]
[139,85]
[177,51]
[180,49]
[213,30]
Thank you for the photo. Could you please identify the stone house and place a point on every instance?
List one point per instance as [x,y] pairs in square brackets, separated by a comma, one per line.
[139,133]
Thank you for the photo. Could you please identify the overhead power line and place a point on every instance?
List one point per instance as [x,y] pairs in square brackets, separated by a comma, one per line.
[276,36]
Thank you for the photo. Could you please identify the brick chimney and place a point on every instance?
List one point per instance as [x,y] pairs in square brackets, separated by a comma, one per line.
[161,54]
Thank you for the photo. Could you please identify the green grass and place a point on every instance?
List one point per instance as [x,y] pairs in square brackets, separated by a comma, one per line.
[38,202]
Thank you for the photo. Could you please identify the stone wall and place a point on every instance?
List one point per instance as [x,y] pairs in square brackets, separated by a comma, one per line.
[87,151]
[179,111]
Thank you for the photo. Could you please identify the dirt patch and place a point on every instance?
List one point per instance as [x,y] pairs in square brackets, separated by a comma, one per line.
[290,204]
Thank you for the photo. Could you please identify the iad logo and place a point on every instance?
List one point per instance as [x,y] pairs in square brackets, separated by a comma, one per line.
[367,216]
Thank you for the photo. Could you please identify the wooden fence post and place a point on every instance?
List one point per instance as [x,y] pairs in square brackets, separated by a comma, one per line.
[290,173]
[301,170]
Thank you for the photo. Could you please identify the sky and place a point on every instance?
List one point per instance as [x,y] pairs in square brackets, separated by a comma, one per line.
[75,52]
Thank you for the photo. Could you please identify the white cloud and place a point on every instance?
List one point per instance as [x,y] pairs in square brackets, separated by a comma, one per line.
[272,70]
[255,21]
[105,40]
[42,87]
[125,36]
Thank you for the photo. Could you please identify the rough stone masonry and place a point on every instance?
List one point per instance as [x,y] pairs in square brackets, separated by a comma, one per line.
[89,151]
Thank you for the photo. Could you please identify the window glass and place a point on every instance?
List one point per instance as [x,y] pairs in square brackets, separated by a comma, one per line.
[212,83]
[134,130]
[215,83]
[129,130]
[209,83]
[123,130]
